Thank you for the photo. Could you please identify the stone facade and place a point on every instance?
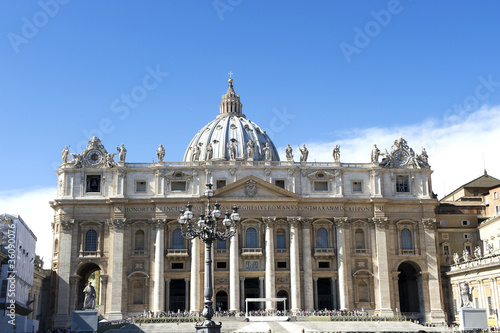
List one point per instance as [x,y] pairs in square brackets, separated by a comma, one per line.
[321,234]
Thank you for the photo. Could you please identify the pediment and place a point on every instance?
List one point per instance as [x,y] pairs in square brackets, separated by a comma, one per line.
[252,187]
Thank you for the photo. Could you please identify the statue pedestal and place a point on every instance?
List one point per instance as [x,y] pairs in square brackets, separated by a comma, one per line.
[473,319]
[84,321]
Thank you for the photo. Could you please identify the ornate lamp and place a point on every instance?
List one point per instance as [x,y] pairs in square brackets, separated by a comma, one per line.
[206,228]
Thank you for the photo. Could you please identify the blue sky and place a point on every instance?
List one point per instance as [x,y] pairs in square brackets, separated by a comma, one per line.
[321,73]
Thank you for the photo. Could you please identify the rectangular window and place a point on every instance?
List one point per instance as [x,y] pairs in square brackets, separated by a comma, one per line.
[495,195]
[468,249]
[445,236]
[279,183]
[443,222]
[446,250]
[324,264]
[3,292]
[221,183]
[280,241]
[402,184]
[177,265]
[467,236]
[178,185]
[221,264]
[497,210]
[93,183]
[356,186]
[321,186]
[281,264]
[140,186]
[465,222]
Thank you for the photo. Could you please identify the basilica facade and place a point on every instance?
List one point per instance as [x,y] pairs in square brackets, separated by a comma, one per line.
[322,235]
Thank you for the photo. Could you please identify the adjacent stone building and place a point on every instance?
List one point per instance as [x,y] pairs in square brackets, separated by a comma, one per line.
[332,234]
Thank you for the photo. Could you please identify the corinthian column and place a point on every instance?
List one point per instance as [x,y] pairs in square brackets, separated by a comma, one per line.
[196,294]
[341,224]
[158,289]
[117,226]
[437,314]
[383,299]
[234,274]
[270,274]
[294,264]
[306,261]
[62,316]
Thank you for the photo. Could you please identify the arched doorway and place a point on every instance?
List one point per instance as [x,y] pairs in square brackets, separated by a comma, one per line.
[221,301]
[409,288]
[89,273]
[280,305]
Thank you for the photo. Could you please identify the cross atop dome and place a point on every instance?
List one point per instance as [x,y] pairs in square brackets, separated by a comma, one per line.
[230,77]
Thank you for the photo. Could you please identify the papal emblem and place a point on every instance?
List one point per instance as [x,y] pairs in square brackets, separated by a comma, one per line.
[251,188]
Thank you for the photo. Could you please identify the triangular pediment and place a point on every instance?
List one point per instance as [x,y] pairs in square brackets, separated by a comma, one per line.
[252,187]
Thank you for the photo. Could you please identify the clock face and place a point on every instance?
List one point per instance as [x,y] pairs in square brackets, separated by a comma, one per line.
[94,156]
[401,157]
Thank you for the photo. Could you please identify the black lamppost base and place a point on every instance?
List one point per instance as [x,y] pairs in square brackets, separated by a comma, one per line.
[208,326]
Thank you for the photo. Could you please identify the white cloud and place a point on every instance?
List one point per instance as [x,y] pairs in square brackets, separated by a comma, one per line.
[455,145]
[33,207]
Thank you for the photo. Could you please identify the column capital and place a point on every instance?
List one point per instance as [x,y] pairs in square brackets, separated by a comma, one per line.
[261,278]
[159,223]
[315,278]
[293,220]
[168,280]
[269,221]
[187,279]
[67,225]
[242,278]
[429,224]
[306,222]
[380,222]
[341,222]
[117,224]
[104,279]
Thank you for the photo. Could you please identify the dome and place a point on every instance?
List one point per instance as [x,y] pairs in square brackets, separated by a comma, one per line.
[231,136]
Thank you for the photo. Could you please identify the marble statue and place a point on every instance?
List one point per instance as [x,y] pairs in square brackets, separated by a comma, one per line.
[336,153]
[160,152]
[250,148]
[267,152]
[375,154]
[76,161]
[304,153]
[90,295]
[465,255]
[109,161]
[288,153]
[210,152]
[456,258]
[477,252]
[465,295]
[65,155]
[196,153]
[231,147]
[122,152]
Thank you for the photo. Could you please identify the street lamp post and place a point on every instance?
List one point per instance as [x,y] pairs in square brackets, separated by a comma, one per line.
[206,228]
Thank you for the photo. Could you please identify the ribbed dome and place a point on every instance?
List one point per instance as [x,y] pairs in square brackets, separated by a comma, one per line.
[230,130]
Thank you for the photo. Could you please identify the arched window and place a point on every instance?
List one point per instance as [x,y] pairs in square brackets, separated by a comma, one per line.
[91,240]
[251,238]
[139,240]
[359,237]
[280,239]
[322,239]
[406,243]
[177,239]
[221,244]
